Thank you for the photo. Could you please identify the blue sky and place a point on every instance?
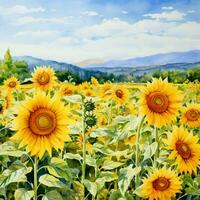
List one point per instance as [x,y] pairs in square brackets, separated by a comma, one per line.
[98,30]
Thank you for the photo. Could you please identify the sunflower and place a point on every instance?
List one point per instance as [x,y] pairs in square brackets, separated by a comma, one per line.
[41,124]
[94,81]
[102,120]
[11,83]
[159,101]
[67,89]
[85,86]
[120,94]
[191,115]
[44,78]
[131,141]
[162,184]
[88,93]
[185,150]
[105,91]
[5,103]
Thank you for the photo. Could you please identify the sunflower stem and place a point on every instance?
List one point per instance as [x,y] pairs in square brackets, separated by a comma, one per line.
[110,112]
[35,169]
[156,156]
[137,155]
[83,148]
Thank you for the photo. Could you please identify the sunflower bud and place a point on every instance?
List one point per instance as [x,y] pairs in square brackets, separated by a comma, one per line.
[90,120]
[89,105]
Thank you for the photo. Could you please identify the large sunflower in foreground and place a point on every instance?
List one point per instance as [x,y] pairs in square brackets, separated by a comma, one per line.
[41,125]
[11,83]
[44,78]
[162,184]
[160,101]
[191,115]
[120,94]
[185,150]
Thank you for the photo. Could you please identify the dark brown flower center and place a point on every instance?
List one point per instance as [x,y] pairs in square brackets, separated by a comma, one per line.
[183,150]
[43,78]
[161,184]
[119,93]
[12,84]
[192,115]
[157,102]
[42,121]
[68,92]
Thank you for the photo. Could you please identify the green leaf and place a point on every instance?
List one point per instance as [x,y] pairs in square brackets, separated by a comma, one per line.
[74,98]
[147,153]
[10,176]
[116,195]
[109,164]
[102,195]
[154,146]
[14,153]
[192,191]
[52,195]
[150,150]
[109,176]
[125,177]
[79,189]
[105,177]
[60,169]
[91,187]
[51,181]
[23,194]
[90,161]
[73,156]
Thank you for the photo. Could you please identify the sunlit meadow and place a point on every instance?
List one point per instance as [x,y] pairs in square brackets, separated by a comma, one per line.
[98,141]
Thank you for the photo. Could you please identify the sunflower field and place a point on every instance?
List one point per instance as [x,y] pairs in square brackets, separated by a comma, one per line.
[61,141]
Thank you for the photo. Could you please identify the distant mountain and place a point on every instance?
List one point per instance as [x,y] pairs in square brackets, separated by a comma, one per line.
[89,62]
[140,70]
[158,59]
[33,62]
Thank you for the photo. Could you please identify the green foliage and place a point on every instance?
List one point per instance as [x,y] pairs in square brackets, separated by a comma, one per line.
[8,68]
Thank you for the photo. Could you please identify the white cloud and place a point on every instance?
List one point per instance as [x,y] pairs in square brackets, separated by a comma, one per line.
[169,16]
[37,34]
[37,20]
[90,13]
[19,10]
[124,12]
[191,11]
[167,8]
[111,39]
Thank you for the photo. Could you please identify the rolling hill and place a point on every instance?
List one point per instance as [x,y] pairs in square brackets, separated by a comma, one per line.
[135,66]
[33,62]
[157,59]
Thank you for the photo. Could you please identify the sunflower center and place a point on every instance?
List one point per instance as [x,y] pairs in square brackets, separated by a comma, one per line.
[42,121]
[67,92]
[43,78]
[12,84]
[192,115]
[183,150]
[161,184]
[157,102]
[119,93]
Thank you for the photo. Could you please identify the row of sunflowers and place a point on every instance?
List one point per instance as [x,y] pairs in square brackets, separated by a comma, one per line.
[61,141]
